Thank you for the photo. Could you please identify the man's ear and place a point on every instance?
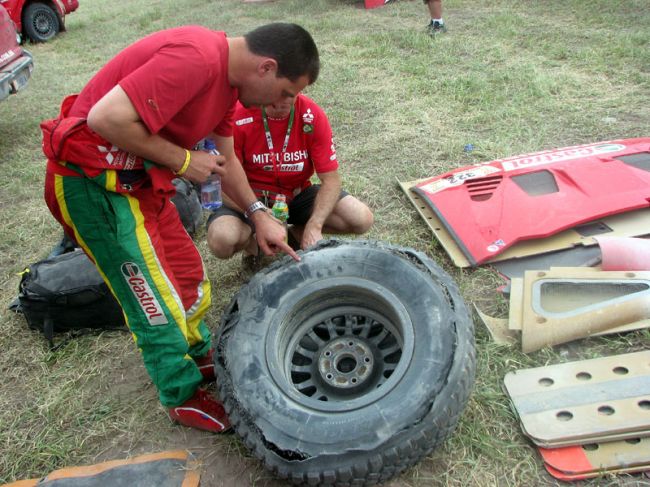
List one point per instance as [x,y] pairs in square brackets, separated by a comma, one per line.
[266,66]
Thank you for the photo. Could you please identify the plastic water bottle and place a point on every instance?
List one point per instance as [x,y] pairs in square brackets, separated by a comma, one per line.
[211,188]
[280,209]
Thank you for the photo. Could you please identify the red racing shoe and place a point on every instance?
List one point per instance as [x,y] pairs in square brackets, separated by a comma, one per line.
[206,366]
[201,411]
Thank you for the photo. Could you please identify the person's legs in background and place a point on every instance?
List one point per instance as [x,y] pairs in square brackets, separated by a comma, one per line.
[436,24]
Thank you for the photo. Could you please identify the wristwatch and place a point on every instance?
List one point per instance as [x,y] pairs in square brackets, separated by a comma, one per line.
[255,206]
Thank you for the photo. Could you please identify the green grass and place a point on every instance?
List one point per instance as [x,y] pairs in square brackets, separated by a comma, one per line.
[510,76]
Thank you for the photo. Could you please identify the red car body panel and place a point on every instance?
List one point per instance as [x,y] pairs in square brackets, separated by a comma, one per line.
[15,63]
[16,7]
[9,50]
[375,3]
[491,206]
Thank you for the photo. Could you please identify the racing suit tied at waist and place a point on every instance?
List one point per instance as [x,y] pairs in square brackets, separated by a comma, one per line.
[88,154]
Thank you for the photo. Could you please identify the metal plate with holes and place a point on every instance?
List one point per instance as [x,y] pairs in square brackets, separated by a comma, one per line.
[590,475]
[581,402]
[629,224]
[596,439]
[592,457]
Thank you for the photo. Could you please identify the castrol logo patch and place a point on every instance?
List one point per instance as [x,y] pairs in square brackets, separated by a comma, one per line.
[143,293]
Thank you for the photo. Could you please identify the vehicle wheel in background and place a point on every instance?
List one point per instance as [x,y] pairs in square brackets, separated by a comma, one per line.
[40,22]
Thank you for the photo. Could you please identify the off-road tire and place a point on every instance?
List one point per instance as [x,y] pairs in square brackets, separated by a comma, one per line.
[347,367]
[40,22]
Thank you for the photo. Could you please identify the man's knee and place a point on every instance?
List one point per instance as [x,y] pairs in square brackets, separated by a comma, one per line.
[364,221]
[225,237]
[220,247]
[356,216]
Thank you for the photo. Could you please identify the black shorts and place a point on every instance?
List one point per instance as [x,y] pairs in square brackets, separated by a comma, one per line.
[300,208]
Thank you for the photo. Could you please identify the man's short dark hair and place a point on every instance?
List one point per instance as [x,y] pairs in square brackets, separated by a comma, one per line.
[290,45]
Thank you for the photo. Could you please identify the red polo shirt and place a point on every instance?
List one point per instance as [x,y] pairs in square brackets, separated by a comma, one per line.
[177,80]
[310,148]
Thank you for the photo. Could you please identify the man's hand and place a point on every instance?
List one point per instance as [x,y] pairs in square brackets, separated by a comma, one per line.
[271,235]
[203,164]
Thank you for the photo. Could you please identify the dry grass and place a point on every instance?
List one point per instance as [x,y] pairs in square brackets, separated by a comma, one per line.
[511,76]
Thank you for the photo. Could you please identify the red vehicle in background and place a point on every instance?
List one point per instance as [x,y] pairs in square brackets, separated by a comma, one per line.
[15,63]
[40,20]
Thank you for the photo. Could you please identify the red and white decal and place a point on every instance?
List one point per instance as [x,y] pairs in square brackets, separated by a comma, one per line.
[550,157]
[243,121]
[287,167]
[143,293]
[118,158]
[7,55]
[458,178]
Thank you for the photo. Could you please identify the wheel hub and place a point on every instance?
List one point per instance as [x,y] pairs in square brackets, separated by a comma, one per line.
[42,24]
[345,363]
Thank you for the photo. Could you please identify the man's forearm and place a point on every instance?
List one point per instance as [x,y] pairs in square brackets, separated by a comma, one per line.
[234,182]
[236,186]
[115,119]
[325,201]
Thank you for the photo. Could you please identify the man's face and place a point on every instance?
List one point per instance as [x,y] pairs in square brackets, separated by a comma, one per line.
[280,109]
[270,90]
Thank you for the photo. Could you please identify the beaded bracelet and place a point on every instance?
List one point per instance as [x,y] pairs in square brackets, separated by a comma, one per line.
[186,164]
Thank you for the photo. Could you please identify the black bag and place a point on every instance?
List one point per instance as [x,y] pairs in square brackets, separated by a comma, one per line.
[64,293]
[188,204]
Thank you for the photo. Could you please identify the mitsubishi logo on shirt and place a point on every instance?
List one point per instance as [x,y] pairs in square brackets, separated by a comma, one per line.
[143,293]
[282,157]
[308,117]
[110,158]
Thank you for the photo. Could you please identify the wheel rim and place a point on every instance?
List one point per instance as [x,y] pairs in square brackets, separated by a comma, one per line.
[340,348]
[42,24]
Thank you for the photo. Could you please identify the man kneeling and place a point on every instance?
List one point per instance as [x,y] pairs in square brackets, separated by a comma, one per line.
[280,147]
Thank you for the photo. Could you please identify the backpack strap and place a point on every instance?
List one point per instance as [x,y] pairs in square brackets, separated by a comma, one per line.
[48,331]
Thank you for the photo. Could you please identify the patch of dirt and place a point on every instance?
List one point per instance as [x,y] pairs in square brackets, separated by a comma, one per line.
[223,459]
